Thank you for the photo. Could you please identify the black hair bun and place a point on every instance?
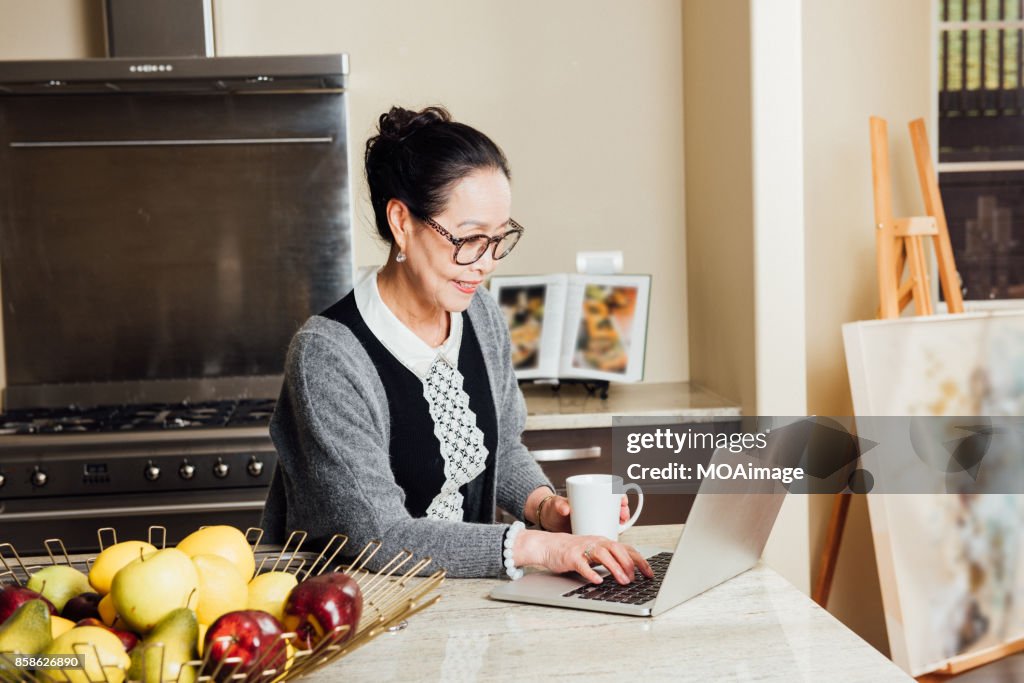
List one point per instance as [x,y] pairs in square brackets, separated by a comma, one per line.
[398,123]
[417,157]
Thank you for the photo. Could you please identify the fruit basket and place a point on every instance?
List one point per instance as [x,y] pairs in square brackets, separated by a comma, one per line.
[397,591]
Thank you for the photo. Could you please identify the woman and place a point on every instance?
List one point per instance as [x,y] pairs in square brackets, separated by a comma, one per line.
[400,418]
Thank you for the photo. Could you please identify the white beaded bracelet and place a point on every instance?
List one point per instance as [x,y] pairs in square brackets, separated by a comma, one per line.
[511,569]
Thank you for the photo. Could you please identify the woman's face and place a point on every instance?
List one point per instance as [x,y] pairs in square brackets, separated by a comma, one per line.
[479,204]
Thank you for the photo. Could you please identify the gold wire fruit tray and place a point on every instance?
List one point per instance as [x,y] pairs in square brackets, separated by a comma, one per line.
[393,594]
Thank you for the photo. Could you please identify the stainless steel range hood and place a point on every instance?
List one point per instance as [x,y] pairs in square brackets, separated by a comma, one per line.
[165,46]
[190,211]
[168,28]
[174,74]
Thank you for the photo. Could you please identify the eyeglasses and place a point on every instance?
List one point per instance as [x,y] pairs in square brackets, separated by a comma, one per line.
[469,250]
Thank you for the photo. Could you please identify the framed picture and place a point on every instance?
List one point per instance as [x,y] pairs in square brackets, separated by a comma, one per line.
[576,326]
[534,307]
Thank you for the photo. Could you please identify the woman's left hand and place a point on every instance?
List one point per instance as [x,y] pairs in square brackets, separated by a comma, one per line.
[555,514]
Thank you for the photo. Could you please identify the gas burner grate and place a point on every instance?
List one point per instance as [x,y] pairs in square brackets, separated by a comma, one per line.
[56,420]
[141,417]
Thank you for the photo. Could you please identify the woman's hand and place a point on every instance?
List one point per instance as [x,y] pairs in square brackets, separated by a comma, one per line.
[554,515]
[560,552]
[554,510]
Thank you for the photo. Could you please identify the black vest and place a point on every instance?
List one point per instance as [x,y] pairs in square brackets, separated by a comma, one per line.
[416,460]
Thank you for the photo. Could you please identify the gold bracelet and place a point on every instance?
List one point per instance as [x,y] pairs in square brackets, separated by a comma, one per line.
[540,506]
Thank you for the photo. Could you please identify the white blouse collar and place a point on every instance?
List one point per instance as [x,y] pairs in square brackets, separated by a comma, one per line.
[410,350]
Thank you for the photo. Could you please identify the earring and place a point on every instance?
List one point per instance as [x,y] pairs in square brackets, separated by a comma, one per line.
[400,258]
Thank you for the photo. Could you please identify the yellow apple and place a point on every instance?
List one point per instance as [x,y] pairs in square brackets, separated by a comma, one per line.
[108,614]
[269,591]
[112,559]
[226,541]
[59,626]
[221,588]
[104,656]
[147,589]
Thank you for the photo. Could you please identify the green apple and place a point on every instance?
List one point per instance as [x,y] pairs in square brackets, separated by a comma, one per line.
[146,590]
[58,583]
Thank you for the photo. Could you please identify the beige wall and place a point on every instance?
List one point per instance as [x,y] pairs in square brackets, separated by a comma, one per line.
[584,96]
[719,197]
[870,57]
[51,29]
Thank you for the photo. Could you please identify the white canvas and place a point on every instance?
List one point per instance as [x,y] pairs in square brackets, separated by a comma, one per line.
[950,566]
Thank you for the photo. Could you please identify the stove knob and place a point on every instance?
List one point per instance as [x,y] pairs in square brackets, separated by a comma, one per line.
[220,470]
[152,472]
[187,470]
[255,466]
[39,478]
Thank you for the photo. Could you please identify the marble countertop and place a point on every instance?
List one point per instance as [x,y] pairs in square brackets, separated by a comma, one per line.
[572,408]
[756,627]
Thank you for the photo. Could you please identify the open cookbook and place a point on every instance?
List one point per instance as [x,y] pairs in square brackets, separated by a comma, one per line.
[576,326]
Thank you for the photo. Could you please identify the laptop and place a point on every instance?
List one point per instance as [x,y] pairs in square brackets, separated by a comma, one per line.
[724,536]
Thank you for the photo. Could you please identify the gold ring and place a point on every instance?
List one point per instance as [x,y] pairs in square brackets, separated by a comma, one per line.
[586,553]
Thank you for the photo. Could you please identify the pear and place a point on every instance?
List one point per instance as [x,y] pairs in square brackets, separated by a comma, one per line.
[59,583]
[172,642]
[27,631]
[147,589]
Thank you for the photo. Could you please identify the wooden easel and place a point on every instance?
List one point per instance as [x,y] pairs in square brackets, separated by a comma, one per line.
[900,241]
[900,246]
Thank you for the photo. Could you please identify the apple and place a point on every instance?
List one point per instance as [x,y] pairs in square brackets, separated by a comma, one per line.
[12,597]
[82,607]
[103,657]
[128,639]
[251,635]
[321,604]
[147,589]
[59,583]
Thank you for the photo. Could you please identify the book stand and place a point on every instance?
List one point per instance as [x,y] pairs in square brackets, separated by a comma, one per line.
[594,387]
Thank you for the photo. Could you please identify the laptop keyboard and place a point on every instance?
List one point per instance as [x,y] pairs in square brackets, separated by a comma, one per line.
[638,592]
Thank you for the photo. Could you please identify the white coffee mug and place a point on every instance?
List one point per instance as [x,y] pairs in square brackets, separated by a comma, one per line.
[594,507]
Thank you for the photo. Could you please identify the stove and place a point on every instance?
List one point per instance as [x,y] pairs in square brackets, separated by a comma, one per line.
[155,416]
[66,472]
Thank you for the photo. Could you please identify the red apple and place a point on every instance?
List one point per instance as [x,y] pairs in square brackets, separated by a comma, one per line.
[82,606]
[12,597]
[321,604]
[127,638]
[252,635]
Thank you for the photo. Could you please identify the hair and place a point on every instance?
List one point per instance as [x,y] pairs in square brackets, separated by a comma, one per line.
[416,157]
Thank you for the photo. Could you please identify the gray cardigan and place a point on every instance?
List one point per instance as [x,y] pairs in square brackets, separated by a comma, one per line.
[331,430]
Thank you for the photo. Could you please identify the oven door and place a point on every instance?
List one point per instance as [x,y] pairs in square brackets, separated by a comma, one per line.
[27,524]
